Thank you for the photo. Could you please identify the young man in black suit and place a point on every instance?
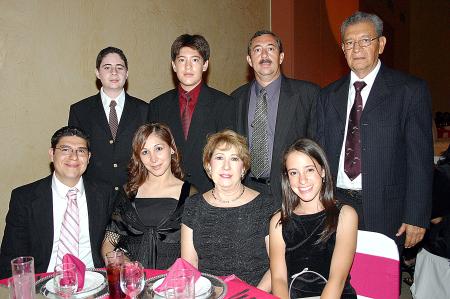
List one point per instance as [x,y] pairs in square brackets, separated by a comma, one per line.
[193,109]
[380,150]
[37,212]
[289,107]
[110,118]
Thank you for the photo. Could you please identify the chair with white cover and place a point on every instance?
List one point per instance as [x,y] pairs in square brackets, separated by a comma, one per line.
[375,272]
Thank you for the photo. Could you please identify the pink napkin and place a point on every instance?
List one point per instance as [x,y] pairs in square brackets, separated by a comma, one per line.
[79,266]
[180,264]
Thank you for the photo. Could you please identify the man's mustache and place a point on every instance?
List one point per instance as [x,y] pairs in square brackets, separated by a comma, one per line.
[265,61]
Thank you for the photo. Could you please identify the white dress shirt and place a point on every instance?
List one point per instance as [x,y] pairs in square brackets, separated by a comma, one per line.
[59,193]
[106,101]
[342,179]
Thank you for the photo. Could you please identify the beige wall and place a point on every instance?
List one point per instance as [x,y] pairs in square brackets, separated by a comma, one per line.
[47,61]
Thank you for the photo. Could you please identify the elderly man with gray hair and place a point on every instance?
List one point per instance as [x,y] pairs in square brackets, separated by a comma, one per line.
[375,126]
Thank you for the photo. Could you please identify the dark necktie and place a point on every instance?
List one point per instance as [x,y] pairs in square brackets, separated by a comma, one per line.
[260,148]
[352,161]
[113,121]
[185,119]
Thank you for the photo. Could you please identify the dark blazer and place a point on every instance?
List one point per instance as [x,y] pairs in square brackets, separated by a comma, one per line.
[29,223]
[213,113]
[295,119]
[396,147]
[110,157]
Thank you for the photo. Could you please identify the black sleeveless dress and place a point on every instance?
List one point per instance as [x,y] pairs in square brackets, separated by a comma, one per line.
[301,234]
[148,229]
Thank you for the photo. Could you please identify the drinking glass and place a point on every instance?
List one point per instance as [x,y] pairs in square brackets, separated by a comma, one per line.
[132,278]
[22,281]
[181,285]
[65,280]
[114,260]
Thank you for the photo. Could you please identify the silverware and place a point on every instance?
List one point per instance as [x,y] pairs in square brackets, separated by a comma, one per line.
[237,295]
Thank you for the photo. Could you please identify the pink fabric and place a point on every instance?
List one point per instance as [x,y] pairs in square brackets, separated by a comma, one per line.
[375,276]
[235,285]
[80,268]
[180,264]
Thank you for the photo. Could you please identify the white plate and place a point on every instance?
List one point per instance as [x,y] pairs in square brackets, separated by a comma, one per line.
[92,282]
[202,287]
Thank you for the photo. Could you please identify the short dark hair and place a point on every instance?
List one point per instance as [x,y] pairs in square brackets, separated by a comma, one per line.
[69,131]
[361,17]
[196,42]
[107,51]
[263,32]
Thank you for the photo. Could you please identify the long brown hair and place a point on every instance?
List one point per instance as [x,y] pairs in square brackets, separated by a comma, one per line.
[291,200]
[137,173]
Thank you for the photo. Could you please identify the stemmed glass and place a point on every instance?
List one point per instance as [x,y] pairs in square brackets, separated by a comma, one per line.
[132,279]
[65,280]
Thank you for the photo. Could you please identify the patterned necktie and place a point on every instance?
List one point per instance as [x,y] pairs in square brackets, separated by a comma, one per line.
[70,228]
[113,121]
[260,148]
[352,161]
[185,119]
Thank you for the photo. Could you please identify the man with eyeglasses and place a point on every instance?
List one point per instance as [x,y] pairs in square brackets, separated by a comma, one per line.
[375,126]
[61,213]
[272,112]
[110,118]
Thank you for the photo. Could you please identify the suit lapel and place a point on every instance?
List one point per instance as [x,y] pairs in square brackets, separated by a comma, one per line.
[93,206]
[285,116]
[242,111]
[198,121]
[128,115]
[99,116]
[379,92]
[42,206]
[174,118]
[339,99]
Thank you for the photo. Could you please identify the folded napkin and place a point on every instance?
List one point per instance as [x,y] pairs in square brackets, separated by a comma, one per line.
[80,268]
[180,264]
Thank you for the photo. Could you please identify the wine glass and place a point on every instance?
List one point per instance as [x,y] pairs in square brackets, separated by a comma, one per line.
[65,280]
[132,278]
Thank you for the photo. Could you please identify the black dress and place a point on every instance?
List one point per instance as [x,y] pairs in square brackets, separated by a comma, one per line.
[230,240]
[301,234]
[148,230]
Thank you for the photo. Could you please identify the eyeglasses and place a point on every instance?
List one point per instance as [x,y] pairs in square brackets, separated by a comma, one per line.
[118,68]
[80,152]
[364,42]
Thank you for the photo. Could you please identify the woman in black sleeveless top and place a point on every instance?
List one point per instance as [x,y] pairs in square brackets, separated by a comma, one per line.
[147,213]
[312,230]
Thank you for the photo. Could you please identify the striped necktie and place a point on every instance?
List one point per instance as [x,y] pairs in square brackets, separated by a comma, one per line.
[260,143]
[70,228]
[113,120]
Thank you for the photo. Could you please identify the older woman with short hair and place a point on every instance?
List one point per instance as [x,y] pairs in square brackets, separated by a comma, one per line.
[225,230]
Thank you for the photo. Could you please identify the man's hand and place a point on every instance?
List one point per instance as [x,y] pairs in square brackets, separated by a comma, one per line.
[414,234]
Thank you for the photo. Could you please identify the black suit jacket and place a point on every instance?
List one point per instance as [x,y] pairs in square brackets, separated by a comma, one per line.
[213,113]
[109,160]
[396,147]
[29,223]
[295,119]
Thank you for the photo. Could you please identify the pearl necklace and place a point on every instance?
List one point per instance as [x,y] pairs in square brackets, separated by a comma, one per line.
[228,201]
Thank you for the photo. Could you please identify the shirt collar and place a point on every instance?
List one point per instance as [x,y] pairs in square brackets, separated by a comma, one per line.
[62,189]
[271,89]
[369,79]
[106,100]
[192,93]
